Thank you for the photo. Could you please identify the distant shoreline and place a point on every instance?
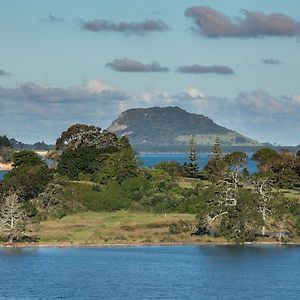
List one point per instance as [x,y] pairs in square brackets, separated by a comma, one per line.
[5,167]
[105,245]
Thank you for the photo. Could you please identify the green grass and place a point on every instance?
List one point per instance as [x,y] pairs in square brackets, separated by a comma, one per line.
[114,228]
[190,183]
[293,194]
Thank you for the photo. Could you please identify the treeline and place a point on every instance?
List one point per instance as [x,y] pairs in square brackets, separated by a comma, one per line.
[95,170]
[16,145]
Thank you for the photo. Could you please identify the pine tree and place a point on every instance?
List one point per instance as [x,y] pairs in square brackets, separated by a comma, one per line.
[192,166]
[215,165]
[217,150]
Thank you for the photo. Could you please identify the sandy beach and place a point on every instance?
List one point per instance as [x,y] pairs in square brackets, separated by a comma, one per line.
[5,167]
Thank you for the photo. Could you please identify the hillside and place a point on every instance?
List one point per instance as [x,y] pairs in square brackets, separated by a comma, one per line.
[173,126]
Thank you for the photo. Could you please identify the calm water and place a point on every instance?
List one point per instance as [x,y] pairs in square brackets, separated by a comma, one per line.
[176,272]
[151,159]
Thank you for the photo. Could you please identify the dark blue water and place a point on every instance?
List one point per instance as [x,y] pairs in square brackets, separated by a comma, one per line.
[2,173]
[175,272]
[152,159]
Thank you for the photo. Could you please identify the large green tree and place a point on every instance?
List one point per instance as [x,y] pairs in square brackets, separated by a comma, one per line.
[29,176]
[92,154]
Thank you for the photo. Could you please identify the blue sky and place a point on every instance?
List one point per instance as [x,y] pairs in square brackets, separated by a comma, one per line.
[53,72]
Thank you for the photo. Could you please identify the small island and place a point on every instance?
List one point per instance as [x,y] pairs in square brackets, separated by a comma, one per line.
[95,191]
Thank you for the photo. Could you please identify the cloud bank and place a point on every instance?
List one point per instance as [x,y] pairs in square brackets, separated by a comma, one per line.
[129,65]
[212,23]
[32,112]
[125,27]
[198,69]
[41,112]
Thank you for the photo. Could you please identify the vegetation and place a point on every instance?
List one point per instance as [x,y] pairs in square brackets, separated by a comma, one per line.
[192,168]
[5,150]
[120,227]
[98,174]
[13,218]
[172,126]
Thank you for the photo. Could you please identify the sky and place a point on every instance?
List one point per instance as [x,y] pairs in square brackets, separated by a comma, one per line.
[85,61]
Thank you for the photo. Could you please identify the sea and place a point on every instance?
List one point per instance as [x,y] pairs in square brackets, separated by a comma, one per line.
[151,272]
[2,173]
[152,159]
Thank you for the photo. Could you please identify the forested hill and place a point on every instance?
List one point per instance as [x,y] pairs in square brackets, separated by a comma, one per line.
[173,126]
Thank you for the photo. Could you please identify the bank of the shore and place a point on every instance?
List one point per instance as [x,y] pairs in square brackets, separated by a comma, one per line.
[121,228]
[5,167]
[132,244]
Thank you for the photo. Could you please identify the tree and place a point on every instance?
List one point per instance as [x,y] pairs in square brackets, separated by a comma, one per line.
[80,160]
[13,218]
[242,221]
[263,189]
[27,158]
[192,166]
[284,166]
[265,158]
[215,165]
[224,206]
[80,135]
[92,154]
[283,221]
[6,155]
[217,150]
[4,142]
[29,176]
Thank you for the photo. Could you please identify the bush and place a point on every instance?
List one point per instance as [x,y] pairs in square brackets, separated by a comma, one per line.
[181,227]
[109,198]
[173,168]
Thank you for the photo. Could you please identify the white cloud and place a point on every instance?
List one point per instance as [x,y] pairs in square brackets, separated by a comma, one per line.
[296,99]
[97,86]
[193,92]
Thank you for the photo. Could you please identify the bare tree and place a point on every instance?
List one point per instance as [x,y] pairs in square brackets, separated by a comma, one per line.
[13,218]
[227,187]
[263,187]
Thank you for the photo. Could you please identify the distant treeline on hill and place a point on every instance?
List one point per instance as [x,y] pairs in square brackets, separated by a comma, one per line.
[208,148]
[39,146]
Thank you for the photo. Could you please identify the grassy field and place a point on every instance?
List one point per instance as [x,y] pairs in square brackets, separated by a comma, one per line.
[121,227]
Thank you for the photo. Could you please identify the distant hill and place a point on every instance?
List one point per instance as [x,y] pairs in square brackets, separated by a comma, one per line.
[39,146]
[173,126]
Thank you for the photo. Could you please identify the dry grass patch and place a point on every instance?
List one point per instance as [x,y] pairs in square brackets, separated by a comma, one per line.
[110,227]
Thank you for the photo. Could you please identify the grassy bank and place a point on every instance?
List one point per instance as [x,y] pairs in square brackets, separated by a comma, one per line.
[121,227]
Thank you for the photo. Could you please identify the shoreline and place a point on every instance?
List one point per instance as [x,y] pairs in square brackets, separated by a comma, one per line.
[120,245]
[5,167]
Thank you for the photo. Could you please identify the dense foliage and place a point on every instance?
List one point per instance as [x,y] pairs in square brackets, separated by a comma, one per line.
[4,142]
[97,171]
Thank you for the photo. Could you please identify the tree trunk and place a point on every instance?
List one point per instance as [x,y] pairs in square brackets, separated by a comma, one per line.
[263,230]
